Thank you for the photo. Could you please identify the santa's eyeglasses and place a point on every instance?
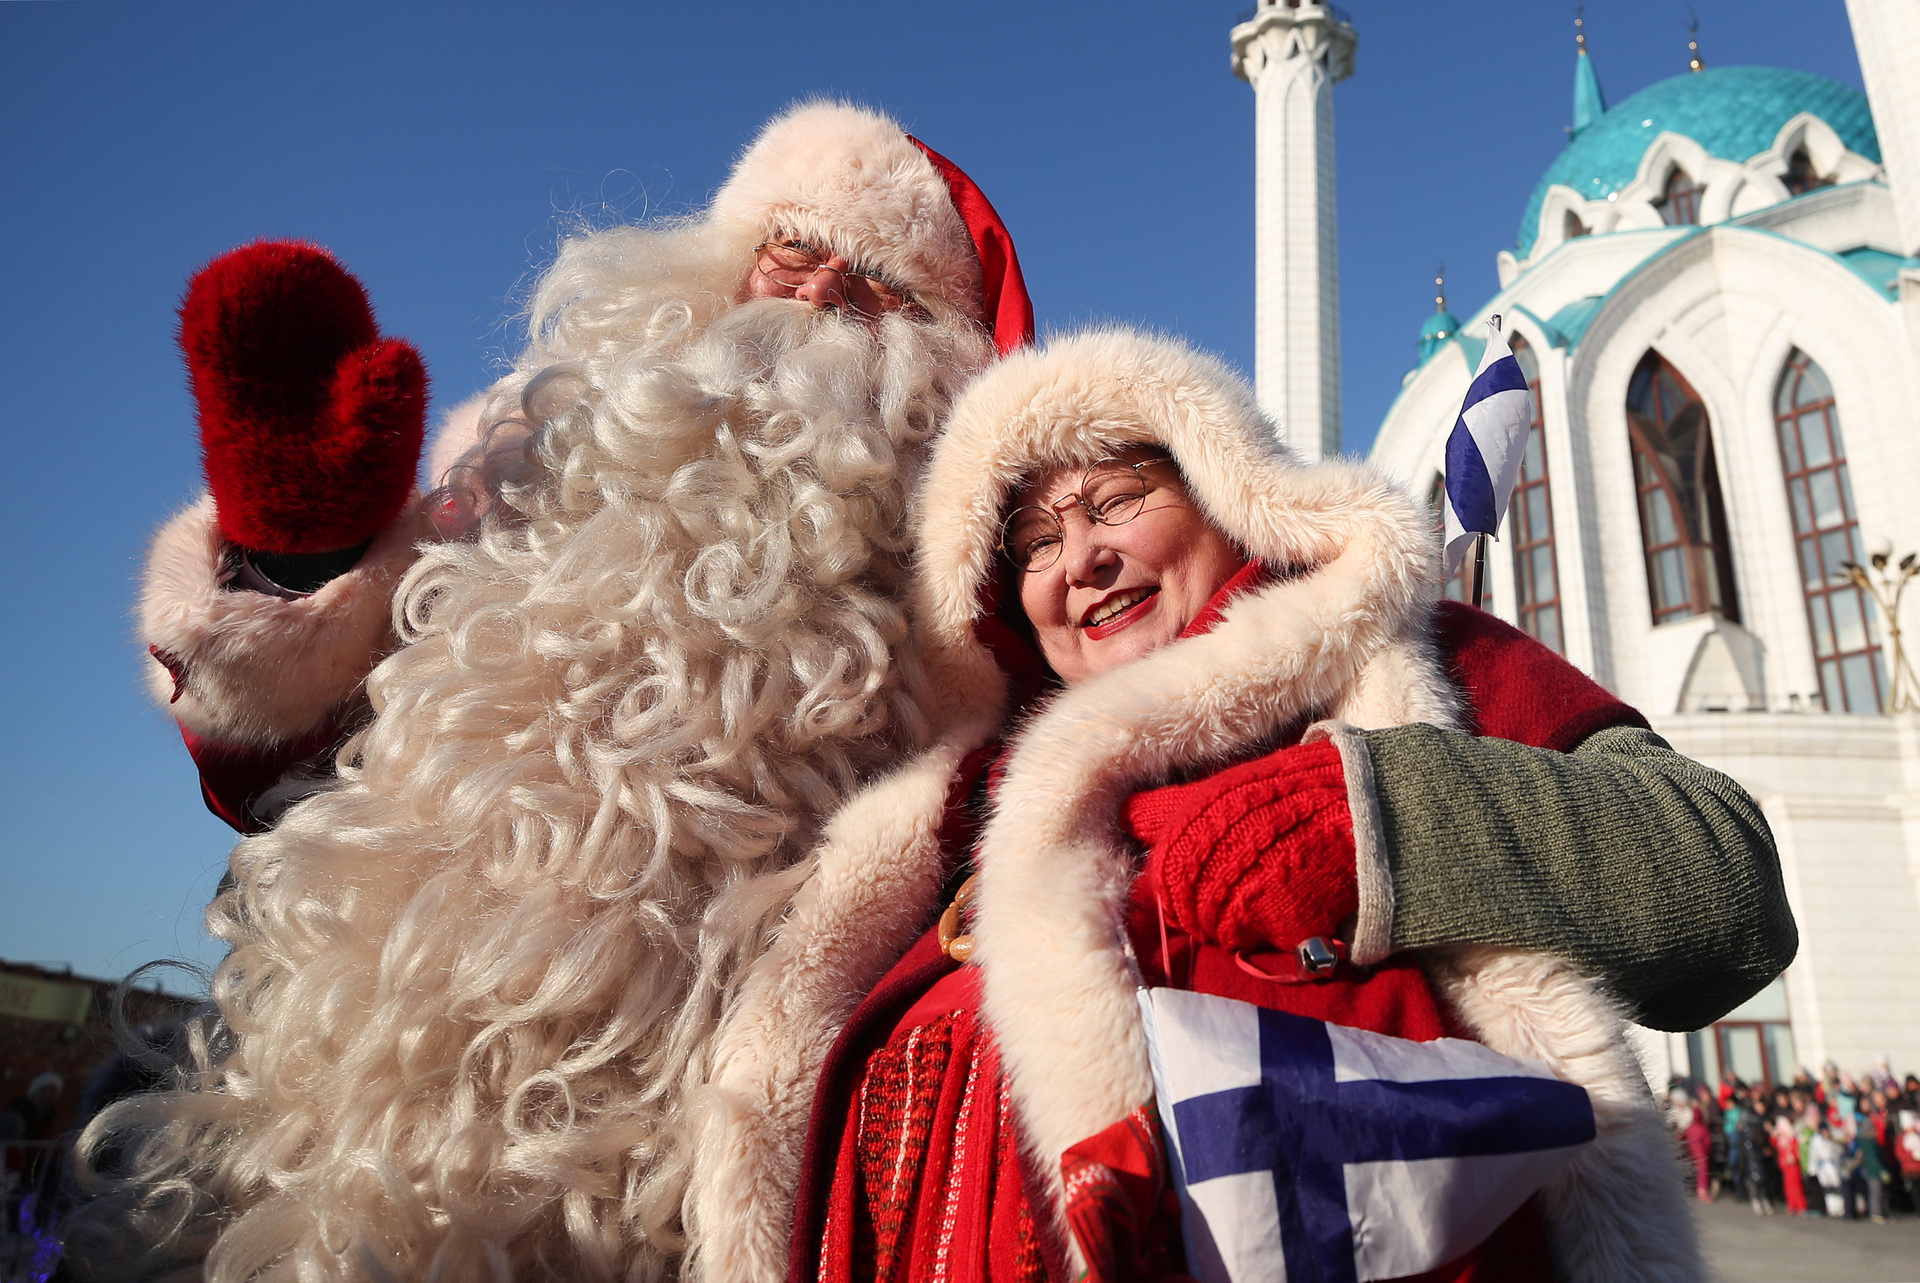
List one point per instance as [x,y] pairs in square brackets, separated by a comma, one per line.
[1112,492]
[792,263]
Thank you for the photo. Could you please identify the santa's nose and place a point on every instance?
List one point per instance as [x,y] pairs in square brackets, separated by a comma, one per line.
[827,287]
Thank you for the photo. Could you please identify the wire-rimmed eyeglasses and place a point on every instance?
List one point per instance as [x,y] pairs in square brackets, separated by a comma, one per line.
[792,263]
[1112,492]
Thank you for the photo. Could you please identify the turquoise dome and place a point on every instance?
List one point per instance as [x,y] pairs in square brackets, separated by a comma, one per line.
[1440,327]
[1733,112]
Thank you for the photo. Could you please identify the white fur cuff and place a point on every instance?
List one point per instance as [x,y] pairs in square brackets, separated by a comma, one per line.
[1373,931]
[248,668]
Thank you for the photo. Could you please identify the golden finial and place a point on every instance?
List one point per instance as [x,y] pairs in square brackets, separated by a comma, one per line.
[1580,29]
[1694,61]
[1440,288]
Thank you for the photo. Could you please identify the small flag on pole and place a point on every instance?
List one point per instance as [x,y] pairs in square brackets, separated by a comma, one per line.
[1485,448]
[1313,1153]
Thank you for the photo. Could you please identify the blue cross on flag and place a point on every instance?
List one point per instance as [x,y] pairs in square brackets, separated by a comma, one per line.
[1485,448]
[1315,1153]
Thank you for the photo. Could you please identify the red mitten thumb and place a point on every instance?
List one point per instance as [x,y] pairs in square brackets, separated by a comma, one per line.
[1261,856]
[310,422]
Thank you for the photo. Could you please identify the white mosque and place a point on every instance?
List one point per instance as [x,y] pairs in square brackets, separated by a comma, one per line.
[1715,293]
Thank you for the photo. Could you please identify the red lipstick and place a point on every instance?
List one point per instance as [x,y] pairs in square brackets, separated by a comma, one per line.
[1125,619]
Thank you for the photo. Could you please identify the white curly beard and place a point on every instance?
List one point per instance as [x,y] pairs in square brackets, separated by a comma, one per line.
[471,985]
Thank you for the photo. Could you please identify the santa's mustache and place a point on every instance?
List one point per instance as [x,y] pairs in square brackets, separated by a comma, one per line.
[782,365]
[760,339]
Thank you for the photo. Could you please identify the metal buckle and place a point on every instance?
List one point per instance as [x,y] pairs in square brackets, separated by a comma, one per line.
[1317,957]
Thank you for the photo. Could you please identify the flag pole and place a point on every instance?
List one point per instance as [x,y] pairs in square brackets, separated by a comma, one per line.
[1484,454]
[1480,544]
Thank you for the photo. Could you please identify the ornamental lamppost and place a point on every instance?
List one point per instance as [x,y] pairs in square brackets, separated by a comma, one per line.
[1885,586]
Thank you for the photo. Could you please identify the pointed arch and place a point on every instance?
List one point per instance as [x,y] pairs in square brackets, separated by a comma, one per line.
[1679,202]
[1826,534]
[1802,175]
[1683,522]
[1536,578]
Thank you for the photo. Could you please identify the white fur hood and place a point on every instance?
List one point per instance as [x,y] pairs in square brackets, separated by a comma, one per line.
[1347,642]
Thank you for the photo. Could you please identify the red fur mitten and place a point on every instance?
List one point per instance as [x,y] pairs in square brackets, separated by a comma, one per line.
[310,422]
[1261,855]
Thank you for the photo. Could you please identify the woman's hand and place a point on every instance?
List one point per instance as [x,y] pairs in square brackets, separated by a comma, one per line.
[1261,856]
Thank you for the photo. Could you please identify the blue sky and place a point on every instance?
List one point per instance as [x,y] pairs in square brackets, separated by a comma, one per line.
[439,149]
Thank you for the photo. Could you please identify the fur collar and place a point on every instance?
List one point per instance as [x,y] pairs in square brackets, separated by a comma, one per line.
[1056,869]
[1056,865]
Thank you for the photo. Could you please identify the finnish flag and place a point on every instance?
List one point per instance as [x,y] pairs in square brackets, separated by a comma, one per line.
[1485,448]
[1315,1153]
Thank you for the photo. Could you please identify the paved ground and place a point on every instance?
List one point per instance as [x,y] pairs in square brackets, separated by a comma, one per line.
[1740,1248]
[1744,1248]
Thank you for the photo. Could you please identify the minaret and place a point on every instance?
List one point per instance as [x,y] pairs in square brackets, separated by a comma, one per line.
[1886,37]
[1292,52]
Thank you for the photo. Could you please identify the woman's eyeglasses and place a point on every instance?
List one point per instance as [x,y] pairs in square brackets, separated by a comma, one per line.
[792,263]
[1112,492]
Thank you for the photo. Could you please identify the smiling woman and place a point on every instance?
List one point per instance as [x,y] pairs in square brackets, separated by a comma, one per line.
[1116,560]
[1204,727]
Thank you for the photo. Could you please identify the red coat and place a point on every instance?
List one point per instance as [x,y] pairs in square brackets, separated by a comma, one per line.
[1518,690]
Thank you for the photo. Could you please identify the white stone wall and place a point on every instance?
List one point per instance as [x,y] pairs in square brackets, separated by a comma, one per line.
[1727,305]
[1840,795]
[1835,219]
[1886,35]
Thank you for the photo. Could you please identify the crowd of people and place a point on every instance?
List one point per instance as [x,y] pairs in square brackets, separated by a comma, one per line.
[1839,1145]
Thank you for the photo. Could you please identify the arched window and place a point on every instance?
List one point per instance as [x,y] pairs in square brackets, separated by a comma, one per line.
[1814,459]
[1801,177]
[1459,585]
[1683,522]
[1530,523]
[1680,204]
[1571,227]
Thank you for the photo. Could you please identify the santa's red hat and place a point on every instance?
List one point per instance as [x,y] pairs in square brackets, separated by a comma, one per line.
[852,178]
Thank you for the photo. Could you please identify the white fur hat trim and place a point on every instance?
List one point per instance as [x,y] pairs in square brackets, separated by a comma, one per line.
[1082,395]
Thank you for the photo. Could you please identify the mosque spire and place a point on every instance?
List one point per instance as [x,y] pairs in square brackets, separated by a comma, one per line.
[1442,325]
[1589,104]
[1694,61]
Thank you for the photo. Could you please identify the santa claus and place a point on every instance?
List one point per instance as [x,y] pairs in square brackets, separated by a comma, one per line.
[529,759]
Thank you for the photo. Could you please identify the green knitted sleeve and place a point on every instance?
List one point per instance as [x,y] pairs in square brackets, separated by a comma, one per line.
[1656,873]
